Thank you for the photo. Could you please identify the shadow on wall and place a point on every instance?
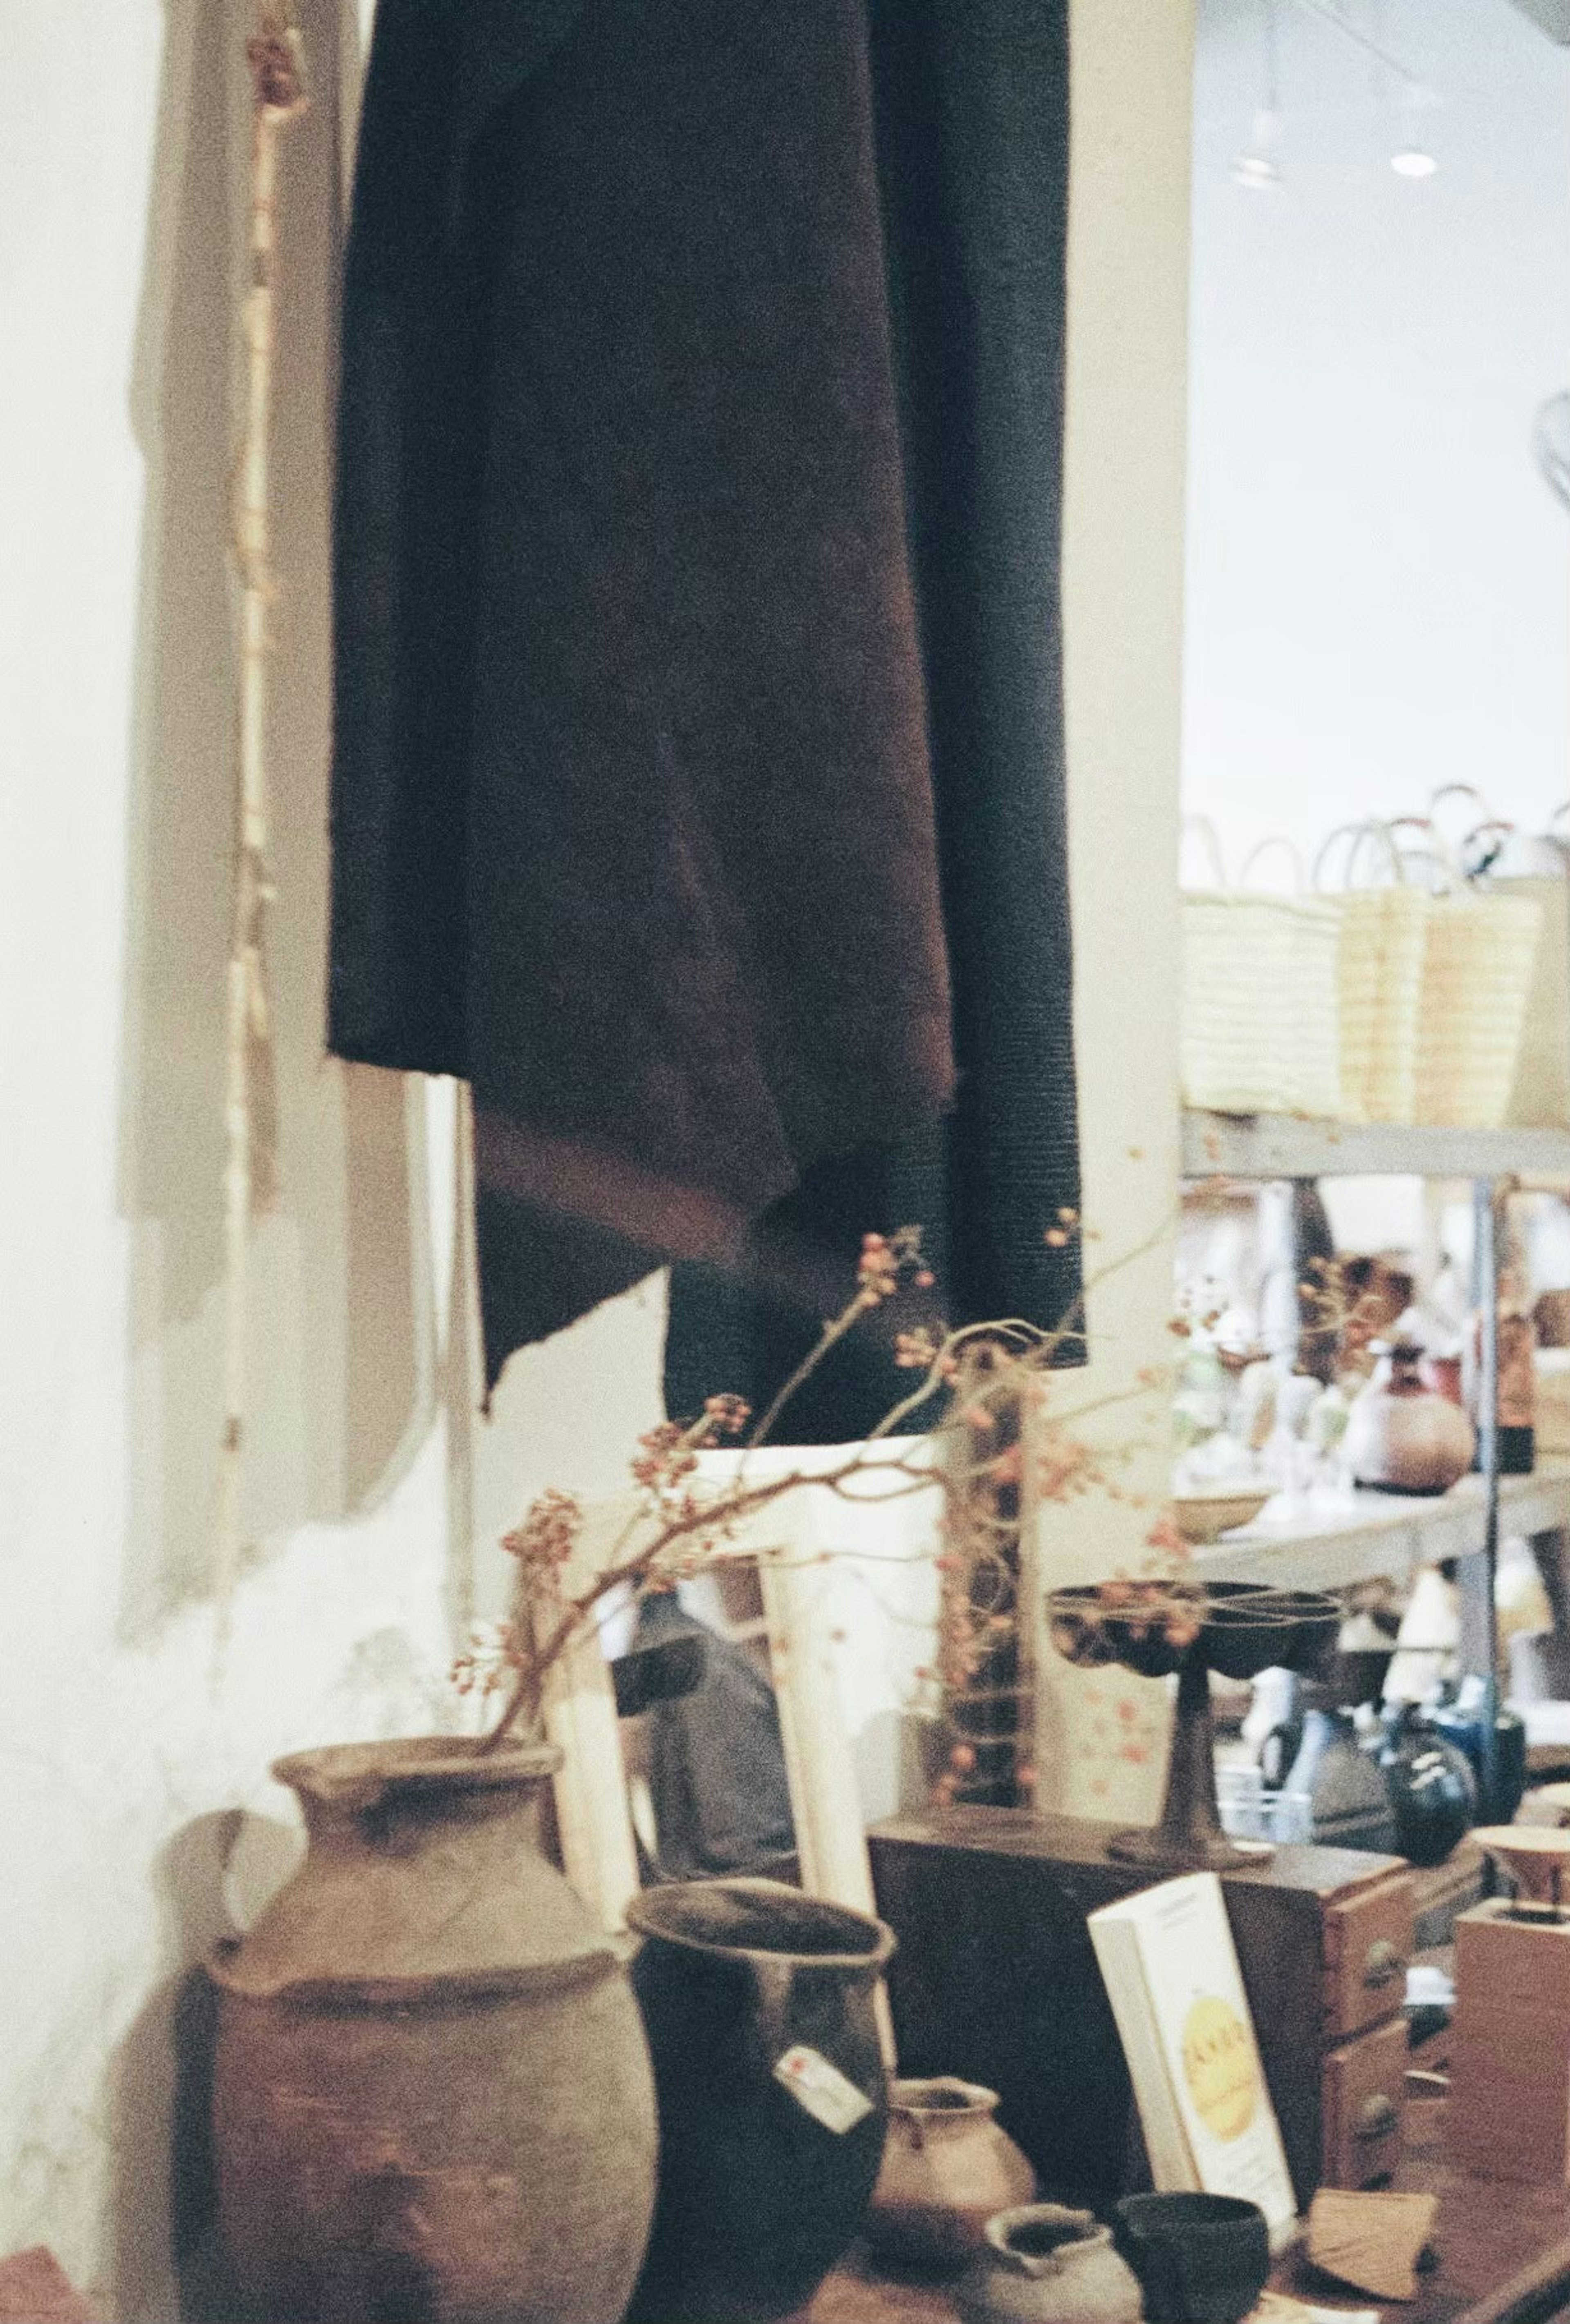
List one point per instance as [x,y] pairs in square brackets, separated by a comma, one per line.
[164,2202]
[340,1345]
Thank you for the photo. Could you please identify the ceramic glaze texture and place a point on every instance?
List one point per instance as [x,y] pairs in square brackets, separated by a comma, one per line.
[1432,1790]
[758,2196]
[1401,1437]
[947,2169]
[1043,2263]
[433,2098]
[1200,2259]
[1346,1790]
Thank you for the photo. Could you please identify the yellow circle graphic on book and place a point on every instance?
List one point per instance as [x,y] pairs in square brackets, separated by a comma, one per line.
[1220,2068]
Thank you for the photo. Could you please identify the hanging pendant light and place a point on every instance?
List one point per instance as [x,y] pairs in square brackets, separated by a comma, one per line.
[1258,166]
[1412,158]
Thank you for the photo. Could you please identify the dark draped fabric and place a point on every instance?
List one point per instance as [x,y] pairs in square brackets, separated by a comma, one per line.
[697,641]
[971,113]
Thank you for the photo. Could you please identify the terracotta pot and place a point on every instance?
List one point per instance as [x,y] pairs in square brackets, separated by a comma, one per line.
[1045,2264]
[760,2006]
[947,2169]
[433,2096]
[1402,1438]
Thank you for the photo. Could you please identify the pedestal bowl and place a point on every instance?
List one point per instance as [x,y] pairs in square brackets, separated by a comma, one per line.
[1188,1629]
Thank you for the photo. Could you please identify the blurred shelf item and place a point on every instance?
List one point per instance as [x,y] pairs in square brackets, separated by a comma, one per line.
[1387,1534]
[1280,1146]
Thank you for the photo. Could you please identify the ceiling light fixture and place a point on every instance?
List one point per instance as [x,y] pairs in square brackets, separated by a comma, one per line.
[1258,166]
[1412,158]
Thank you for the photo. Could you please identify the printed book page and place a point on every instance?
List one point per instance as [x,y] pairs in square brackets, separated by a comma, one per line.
[1203,2023]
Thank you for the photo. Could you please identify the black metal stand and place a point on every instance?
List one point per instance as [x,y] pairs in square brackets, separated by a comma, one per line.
[1477,1574]
[1189,1833]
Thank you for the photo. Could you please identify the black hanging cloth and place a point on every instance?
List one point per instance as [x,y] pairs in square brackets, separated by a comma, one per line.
[634,815]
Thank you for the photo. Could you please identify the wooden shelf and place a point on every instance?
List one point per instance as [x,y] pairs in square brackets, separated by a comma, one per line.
[1279,1146]
[1384,1535]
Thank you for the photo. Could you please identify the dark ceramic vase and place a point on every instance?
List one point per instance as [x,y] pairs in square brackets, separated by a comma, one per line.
[432,2095]
[1201,2259]
[1348,1799]
[758,2195]
[1499,1773]
[1432,1790]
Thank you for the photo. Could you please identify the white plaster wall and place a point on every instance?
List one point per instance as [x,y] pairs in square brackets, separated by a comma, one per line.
[125,1755]
[1378,581]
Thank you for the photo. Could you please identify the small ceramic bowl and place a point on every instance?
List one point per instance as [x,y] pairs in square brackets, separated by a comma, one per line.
[1201,2259]
[1206,1517]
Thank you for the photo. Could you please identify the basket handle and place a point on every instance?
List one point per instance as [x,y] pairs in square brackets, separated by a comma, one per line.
[1439,851]
[1202,827]
[1277,839]
[1463,790]
[1497,829]
[1358,833]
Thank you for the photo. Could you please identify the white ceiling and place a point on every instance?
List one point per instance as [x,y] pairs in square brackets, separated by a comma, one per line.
[1479,57]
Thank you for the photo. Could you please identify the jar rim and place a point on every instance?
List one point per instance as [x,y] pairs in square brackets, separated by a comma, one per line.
[729,1919]
[351,1775]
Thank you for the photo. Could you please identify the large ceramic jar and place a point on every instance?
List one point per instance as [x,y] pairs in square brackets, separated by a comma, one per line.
[432,2096]
[761,2007]
[1403,1438]
[1043,2263]
[947,2168]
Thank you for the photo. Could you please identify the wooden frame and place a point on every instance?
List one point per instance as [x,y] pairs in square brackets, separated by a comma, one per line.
[795,1545]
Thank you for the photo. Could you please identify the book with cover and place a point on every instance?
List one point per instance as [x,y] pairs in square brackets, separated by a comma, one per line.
[1171,1972]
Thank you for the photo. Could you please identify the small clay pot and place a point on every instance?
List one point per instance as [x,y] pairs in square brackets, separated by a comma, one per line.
[1402,1438]
[1201,2259]
[947,2169]
[1043,2263]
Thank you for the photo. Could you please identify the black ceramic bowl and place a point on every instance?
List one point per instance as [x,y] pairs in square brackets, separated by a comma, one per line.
[1201,2259]
[1243,1626]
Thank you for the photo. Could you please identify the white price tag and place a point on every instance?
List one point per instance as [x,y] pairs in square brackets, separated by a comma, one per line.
[828,2096]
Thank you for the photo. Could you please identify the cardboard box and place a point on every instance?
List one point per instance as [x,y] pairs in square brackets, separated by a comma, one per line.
[1510,2047]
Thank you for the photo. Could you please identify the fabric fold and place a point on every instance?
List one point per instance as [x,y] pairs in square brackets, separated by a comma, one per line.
[646,635]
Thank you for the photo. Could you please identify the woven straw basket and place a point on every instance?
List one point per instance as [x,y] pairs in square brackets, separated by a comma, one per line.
[1260,996]
[1384,937]
[1477,974]
[1478,969]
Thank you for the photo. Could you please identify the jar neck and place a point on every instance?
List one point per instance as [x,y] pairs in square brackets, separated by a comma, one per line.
[404,1819]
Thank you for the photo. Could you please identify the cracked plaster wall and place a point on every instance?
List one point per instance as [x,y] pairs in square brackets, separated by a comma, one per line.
[136,1820]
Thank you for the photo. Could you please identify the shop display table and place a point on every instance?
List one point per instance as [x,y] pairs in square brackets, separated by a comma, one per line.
[1504,2256]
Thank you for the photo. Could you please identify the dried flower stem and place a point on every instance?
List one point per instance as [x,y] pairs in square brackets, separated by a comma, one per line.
[279,94]
[539,1659]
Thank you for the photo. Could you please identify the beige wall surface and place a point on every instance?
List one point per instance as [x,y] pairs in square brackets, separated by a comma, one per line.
[1101,1738]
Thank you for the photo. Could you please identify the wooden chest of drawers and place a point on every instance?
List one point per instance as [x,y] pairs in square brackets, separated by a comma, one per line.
[996,1978]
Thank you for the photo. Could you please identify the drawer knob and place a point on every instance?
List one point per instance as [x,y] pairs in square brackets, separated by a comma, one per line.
[1376,2117]
[1383,1964]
